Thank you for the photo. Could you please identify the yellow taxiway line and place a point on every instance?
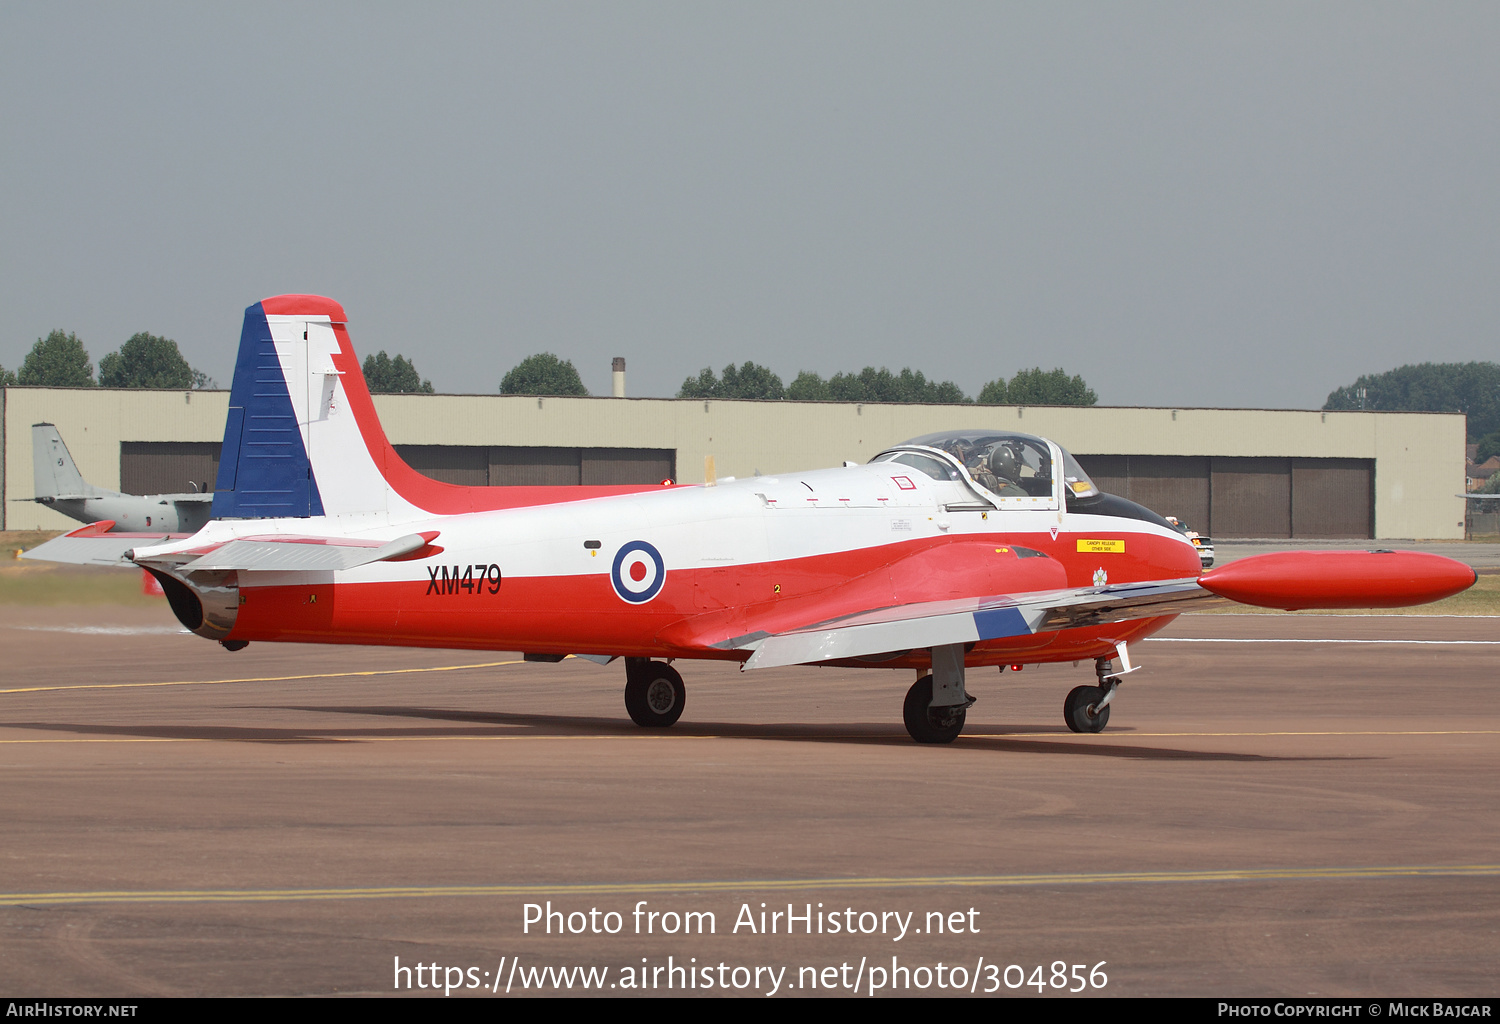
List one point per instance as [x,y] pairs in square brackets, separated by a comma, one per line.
[662,737]
[754,885]
[262,679]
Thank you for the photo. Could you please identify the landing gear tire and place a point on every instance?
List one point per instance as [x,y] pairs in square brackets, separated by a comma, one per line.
[655,696]
[927,724]
[1079,709]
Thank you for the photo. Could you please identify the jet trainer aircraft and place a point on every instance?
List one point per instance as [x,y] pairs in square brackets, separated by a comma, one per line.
[60,486]
[948,552]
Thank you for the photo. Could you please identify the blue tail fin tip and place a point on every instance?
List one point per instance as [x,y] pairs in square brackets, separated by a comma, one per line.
[264,471]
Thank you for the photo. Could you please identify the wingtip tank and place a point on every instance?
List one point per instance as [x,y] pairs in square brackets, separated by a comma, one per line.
[1296,580]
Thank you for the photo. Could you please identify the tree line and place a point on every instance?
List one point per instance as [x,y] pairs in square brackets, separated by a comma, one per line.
[547,374]
[1469,388]
[145,361]
[149,361]
[1028,387]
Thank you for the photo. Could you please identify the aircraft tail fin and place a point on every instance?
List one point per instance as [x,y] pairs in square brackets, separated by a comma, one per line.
[301,438]
[55,473]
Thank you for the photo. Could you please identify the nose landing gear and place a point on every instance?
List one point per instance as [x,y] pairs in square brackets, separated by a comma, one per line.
[1086,708]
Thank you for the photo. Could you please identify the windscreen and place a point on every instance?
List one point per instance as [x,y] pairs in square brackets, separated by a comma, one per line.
[1009,464]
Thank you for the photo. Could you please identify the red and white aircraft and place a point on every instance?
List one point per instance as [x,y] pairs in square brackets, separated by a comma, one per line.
[947,552]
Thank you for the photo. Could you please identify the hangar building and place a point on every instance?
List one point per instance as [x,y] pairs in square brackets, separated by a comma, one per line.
[1225,472]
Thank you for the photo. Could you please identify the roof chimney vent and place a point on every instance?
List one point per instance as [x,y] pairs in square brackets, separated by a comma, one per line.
[619,369]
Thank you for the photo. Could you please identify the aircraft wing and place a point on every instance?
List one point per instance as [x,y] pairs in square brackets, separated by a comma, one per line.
[191,498]
[1291,580]
[935,623]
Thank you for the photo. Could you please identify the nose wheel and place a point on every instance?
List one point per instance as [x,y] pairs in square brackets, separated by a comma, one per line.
[1082,709]
[654,694]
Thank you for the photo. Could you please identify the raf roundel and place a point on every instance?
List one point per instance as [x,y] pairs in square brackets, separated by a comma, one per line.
[638,572]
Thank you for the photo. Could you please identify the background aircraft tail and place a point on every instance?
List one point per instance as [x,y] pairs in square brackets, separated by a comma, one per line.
[56,475]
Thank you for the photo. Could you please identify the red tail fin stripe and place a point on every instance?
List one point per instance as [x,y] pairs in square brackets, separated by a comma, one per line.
[425,493]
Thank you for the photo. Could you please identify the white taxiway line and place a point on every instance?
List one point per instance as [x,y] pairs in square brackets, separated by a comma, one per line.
[108,630]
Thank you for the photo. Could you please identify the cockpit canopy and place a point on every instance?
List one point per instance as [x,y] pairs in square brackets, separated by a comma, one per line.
[1008,465]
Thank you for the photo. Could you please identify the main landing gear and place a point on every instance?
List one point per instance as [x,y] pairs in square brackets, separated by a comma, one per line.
[928,724]
[936,705]
[654,694]
[1086,708]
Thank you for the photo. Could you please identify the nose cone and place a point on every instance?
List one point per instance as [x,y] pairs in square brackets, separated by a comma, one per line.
[1339,579]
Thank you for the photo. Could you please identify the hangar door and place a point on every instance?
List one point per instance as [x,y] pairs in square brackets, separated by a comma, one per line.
[1247,497]
[168,467]
[171,467]
[1172,485]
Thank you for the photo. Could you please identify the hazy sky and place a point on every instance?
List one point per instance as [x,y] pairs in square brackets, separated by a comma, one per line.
[1189,204]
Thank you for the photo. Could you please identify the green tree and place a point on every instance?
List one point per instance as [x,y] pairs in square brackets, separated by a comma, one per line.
[57,361]
[872,385]
[146,361]
[947,393]
[994,393]
[543,374]
[808,387]
[1489,445]
[868,385]
[1469,388]
[7,379]
[399,376]
[1038,387]
[748,381]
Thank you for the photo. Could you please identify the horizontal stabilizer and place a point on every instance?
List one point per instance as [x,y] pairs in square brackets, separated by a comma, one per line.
[305,554]
[95,545]
[936,623]
[48,499]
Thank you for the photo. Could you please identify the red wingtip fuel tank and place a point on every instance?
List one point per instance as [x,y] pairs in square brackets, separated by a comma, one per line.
[1294,580]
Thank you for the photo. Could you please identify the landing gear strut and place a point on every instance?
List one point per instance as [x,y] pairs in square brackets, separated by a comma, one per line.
[654,694]
[1086,708]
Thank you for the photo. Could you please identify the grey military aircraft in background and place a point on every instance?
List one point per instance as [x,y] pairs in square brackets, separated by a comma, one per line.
[60,486]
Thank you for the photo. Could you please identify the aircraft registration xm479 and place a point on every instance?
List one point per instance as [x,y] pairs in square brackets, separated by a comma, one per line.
[949,552]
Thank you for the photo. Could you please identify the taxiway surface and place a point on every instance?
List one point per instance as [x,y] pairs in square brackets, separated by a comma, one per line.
[1262,817]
